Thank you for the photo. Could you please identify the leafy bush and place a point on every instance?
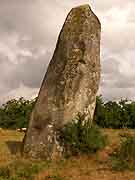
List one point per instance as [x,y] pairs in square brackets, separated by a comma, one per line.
[80,136]
[124,158]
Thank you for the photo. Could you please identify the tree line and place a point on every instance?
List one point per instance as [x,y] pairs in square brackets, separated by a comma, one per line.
[114,114]
[16,113]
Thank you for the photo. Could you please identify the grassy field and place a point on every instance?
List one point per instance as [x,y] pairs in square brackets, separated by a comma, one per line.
[93,167]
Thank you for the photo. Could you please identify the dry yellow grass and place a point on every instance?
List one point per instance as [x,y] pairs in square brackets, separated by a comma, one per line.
[94,167]
[10,142]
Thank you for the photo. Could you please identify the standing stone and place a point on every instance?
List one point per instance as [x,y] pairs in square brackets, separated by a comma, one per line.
[70,84]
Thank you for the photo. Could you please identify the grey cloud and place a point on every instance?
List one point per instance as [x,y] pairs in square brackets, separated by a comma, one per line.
[110,65]
[115,93]
[125,82]
[29,71]
[118,81]
[118,73]
[31,19]
[105,5]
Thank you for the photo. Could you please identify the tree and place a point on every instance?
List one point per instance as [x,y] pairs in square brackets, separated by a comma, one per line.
[15,113]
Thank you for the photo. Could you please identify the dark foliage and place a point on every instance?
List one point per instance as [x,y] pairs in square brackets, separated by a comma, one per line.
[115,115]
[15,113]
[80,136]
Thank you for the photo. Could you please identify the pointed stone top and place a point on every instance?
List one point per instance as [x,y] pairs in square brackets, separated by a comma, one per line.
[79,15]
[83,7]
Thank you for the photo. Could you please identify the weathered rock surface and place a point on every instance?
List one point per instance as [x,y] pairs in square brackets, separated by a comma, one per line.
[70,84]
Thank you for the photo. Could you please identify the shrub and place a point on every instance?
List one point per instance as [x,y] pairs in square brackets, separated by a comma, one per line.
[80,136]
[124,158]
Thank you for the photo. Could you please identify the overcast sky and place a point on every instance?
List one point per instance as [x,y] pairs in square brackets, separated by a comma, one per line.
[28,35]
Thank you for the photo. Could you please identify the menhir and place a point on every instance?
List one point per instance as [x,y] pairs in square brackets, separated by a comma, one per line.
[70,84]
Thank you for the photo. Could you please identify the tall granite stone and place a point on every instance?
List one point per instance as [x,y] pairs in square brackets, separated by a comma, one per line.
[70,84]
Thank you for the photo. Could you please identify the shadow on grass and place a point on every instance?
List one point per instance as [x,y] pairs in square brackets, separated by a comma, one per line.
[14,146]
